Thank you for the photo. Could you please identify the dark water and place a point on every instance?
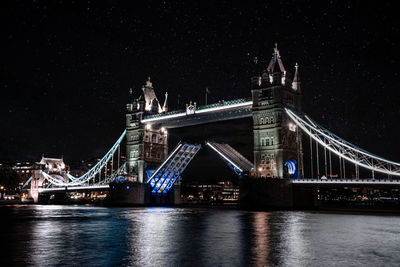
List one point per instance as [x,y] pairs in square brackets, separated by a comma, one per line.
[97,236]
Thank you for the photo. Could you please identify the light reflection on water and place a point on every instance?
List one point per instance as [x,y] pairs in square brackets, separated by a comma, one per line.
[80,235]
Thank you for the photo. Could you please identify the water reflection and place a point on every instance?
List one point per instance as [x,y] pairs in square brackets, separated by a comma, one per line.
[95,236]
[220,239]
[150,241]
[261,238]
[75,235]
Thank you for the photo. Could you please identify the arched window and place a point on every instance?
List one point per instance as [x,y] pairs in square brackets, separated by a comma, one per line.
[272,119]
[267,120]
[262,141]
[267,141]
[272,141]
[154,138]
[160,140]
[146,138]
[261,120]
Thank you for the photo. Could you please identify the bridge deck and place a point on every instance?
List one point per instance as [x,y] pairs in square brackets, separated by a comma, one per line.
[74,188]
[347,181]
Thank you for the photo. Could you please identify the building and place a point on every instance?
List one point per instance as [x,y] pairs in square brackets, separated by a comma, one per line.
[222,191]
[24,169]
[278,151]
[145,143]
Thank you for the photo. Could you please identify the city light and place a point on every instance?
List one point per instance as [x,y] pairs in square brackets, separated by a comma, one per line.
[292,127]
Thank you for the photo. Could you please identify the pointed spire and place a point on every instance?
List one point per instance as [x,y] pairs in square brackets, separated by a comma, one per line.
[149,83]
[296,78]
[276,58]
[165,106]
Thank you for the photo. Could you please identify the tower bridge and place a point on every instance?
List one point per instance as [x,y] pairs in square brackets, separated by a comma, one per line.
[151,173]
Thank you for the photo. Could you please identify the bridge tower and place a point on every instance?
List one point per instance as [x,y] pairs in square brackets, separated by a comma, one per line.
[52,166]
[146,145]
[278,149]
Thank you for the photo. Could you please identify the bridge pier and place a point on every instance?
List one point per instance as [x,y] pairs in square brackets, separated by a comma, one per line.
[138,194]
[36,182]
[257,193]
[127,193]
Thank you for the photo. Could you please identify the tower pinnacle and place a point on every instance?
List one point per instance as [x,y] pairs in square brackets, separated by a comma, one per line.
[276,51]
[149,83]
[165,106]
[296,78]
[276,74]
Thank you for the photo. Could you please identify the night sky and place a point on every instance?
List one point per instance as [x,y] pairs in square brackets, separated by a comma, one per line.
[67,66]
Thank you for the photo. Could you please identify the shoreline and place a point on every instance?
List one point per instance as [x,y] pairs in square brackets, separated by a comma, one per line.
[328,210]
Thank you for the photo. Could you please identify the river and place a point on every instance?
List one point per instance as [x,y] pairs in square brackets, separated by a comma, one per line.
[99,236]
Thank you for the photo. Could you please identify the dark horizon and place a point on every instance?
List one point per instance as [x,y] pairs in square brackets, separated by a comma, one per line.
[67,67]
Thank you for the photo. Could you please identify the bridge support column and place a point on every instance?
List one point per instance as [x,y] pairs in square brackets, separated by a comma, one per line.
[277,141]
[36,182]
[127,193]
[256,193]
[177,195]
[134,145]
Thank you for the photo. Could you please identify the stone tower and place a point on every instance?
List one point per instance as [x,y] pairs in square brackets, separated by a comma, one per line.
[146,145]
[278,149]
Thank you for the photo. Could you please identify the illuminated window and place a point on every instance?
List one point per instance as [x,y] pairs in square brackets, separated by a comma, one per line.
[154,138]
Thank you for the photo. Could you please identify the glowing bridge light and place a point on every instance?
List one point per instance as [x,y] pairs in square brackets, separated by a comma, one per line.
[162,165]
[291,165]
[292,127]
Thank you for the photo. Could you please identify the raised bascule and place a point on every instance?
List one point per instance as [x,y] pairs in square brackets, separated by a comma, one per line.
[275,178]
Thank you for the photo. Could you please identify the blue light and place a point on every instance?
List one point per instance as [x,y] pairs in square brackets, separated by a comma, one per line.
[127,187]
[149,173]
[291,165]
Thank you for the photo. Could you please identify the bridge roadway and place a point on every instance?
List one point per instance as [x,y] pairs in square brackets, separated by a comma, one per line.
[370,181]
[74,188]
[340,181]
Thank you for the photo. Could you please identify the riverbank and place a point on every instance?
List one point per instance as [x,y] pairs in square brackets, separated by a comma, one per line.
[229,206]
